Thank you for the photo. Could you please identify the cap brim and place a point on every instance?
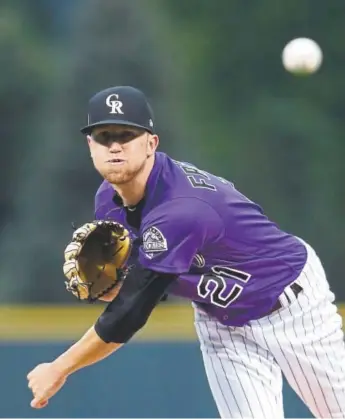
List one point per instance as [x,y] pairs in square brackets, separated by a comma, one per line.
[88,129]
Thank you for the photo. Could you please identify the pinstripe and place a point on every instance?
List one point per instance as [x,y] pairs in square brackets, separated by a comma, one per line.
[258,347]
[342,365]
[227,354]
[298,361]
[277,398]
[235,369]
[272,362]
[317,356]
[247,372]
[328,377]
[271,368]
[257,371]
[306,375]
[213,367]
[333,350]
[273,407]
[320,341]
[283,354]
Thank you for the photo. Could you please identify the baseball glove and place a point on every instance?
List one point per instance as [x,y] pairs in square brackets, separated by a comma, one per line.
[95,259]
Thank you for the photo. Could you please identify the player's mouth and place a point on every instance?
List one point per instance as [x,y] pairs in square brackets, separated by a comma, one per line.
[115,161]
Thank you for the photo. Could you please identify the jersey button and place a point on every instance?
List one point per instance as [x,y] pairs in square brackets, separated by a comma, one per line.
[225,317]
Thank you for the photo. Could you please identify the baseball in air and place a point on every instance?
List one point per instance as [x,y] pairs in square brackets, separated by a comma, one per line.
[302,56]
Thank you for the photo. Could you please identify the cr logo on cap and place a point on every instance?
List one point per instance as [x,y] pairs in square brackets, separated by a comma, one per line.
[115,105]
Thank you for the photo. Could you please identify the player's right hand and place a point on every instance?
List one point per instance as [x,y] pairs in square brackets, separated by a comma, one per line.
[110,295]
[44,381]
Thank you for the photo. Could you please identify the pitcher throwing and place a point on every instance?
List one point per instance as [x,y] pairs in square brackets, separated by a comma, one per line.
[263,306]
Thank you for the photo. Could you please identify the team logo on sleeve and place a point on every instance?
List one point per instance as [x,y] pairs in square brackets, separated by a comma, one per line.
[154,242]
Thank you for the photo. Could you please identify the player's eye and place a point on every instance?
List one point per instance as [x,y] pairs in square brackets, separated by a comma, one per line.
[122,137]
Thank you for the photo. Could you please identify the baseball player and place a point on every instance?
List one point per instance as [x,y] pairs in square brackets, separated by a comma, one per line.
[263,306]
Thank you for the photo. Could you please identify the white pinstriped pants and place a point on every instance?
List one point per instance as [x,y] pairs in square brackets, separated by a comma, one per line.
[304,340]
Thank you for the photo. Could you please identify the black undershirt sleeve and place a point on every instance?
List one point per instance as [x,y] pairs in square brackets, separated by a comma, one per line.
[129,311]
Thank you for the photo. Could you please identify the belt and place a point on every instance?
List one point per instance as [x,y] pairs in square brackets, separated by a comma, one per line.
[295,288]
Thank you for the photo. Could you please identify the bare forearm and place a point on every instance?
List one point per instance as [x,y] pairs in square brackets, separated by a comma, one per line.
[87,351]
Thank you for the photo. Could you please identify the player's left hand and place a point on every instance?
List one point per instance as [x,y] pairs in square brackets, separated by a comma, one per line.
[44,381]
[96,259]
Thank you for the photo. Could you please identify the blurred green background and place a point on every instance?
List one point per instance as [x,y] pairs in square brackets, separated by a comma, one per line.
[213,74]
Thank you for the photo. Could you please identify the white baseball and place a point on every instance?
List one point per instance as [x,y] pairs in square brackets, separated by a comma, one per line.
[302,56]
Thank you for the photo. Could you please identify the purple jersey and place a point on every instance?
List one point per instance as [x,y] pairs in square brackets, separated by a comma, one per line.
[231,259]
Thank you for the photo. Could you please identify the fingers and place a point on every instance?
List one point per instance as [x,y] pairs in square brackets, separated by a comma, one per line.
[44,382]
[39,400]
[38,403]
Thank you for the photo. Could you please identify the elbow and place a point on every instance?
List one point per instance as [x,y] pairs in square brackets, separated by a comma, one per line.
[120,330]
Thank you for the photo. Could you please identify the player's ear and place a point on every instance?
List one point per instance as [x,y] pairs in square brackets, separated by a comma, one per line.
[89,142]
[152,144]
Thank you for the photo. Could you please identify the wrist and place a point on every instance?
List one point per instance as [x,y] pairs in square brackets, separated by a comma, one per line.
[63,367]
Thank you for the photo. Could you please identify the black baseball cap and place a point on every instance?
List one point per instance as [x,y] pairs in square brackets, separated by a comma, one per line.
[120,105]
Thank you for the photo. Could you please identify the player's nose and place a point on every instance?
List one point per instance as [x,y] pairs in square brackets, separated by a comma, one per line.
[115,147]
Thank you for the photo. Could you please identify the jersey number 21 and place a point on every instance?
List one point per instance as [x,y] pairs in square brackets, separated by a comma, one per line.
[218,293]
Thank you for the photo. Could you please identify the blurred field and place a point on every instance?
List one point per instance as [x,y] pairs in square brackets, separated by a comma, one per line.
[169,322]
[64,322]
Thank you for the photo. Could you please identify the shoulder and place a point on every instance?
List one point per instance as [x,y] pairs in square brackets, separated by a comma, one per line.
[210,189]
[104,192]
[104,187]
[184,212]
[186,179]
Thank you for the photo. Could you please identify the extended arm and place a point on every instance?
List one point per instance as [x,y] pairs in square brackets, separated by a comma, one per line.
[122,318]
[87,351]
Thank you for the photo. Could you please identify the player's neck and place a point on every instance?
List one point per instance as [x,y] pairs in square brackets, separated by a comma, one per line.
[134,191]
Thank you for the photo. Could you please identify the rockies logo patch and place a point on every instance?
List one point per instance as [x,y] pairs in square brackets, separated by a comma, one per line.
[154,241]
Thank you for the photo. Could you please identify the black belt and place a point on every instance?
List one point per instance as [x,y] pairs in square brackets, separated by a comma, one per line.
[295,288]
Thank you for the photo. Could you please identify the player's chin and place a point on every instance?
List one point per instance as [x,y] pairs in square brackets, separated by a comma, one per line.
[117,178]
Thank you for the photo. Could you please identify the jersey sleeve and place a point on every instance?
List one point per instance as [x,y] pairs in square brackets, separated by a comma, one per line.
[175,232]
[97,212]
[131,308]
[103,202]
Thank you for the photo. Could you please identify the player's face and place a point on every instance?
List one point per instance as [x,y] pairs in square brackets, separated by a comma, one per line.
[120,152]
